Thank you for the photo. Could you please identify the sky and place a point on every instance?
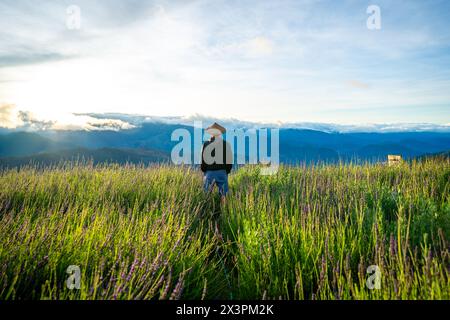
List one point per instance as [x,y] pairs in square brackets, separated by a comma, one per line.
[262,61]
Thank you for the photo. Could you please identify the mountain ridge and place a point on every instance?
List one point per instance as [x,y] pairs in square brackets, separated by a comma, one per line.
[97,156]
[296,145]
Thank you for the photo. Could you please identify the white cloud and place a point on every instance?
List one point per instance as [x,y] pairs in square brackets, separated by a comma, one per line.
[11,118]
[7,116]
[28,121]
[358,84]
[259,46]
[82,122]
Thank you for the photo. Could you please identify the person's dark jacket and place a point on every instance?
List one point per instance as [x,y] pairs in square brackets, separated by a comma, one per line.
[226,163]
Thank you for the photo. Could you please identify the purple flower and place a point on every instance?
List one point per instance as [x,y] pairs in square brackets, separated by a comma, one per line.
[133,267]
[176,294]
[392,246]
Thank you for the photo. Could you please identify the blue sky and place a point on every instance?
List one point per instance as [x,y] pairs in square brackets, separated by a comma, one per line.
[269,61]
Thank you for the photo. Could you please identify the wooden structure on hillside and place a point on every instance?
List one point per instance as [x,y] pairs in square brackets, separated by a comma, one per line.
[394,159]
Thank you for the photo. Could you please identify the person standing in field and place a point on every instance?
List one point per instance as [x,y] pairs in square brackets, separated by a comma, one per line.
[217,161]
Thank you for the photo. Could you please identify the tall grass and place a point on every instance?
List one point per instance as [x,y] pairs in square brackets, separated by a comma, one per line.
[151,233]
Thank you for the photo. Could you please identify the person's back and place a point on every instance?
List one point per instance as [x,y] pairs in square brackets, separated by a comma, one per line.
[223,160]
[217,161]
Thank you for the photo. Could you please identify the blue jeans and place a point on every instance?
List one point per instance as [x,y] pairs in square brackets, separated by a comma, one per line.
[217,177]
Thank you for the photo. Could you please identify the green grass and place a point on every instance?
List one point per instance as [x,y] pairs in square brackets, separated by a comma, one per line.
[151,233]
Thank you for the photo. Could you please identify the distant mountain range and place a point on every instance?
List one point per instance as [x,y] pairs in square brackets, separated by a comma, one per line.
[151,142]
[102,155]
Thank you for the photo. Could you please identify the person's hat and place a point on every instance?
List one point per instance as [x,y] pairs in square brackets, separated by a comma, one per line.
[215,128]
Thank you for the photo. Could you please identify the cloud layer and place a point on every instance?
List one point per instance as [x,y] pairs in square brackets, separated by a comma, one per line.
[204,121]
[11,118]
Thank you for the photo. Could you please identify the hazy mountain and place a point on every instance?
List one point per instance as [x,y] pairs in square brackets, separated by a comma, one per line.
[103,155]
[296,145]
[25,143]
[441,155]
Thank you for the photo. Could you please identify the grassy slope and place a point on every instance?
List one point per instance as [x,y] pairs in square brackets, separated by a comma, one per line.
[307,232]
